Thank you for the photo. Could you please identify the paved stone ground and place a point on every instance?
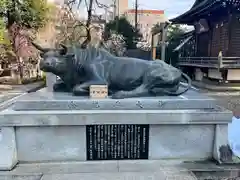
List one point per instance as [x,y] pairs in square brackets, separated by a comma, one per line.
[7,96]
[229,100]
[28,87]
[121,170]
[104,170]
[226,96]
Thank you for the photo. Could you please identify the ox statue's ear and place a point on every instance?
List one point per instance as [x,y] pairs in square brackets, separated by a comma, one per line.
[39,47]
[63,49]
[41,55]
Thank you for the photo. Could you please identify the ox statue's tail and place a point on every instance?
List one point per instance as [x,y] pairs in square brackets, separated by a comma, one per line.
[185,89]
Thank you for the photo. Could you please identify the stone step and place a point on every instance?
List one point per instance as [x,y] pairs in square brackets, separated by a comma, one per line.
[161,175]
[174,175]
[134,169]
[116,166]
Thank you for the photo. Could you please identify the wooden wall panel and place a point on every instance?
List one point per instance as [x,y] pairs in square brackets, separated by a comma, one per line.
[202,44]
[220,38]
[234,49]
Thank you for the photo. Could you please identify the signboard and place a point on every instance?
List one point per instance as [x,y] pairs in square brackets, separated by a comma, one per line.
[117,142]
[201,26]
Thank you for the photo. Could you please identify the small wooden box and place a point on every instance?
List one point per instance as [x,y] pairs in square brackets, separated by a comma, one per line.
[98,91]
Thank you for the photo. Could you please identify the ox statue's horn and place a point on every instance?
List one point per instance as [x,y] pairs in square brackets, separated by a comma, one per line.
[39,47]
[63,49]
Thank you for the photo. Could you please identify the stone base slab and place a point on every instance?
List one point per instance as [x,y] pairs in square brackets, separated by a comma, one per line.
[44,100]
[68,143]
[9,117]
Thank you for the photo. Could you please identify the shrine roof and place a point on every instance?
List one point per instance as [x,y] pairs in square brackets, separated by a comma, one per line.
[198,7]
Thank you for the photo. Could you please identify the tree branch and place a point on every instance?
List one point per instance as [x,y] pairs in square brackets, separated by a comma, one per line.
[86,42]
[100,5]
[2,14]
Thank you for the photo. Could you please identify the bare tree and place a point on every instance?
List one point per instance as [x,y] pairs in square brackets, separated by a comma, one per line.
[73,30]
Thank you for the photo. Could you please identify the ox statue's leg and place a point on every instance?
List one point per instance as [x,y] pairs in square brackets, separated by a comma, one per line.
[80,90]
[139,91]
[142,90]
[60,86]
[150,78]
[83,89]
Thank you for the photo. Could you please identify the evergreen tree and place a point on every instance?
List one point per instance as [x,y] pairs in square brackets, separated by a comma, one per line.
[123,27]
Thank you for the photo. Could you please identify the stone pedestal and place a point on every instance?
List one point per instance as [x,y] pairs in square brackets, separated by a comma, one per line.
[52,127]
[8,150]
[50,80]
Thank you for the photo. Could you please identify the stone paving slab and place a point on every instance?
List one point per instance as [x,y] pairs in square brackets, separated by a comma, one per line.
[63,168]
[7,99]
[25,169]
[215,87]
[21,177]
[31,87]
[161,175]
[140,169]
[7,96]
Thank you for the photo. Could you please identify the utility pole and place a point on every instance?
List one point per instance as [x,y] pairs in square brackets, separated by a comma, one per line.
[136,14]
[118,14]
[106,14]
[117,10]
[114,9]
[163,45]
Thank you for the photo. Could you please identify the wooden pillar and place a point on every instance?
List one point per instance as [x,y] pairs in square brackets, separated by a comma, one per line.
[154,53]
[154,45]
[220,57]
[230,27]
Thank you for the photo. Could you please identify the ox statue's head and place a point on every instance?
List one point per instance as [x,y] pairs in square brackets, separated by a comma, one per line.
[54,60]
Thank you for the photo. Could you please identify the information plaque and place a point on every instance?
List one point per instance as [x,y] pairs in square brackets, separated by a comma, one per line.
[117,142]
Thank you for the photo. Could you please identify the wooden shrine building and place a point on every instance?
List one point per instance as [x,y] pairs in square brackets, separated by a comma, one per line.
[212,50]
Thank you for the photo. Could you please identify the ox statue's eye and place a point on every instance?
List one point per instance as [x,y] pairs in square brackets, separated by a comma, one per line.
[41,55]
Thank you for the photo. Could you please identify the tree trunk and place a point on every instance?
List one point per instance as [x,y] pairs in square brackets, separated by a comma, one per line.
[13,31]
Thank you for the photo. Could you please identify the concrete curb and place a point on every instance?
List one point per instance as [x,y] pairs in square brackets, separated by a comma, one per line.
[28,88]
[42,85]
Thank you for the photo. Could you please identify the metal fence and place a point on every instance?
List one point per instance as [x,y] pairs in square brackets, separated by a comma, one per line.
[218,62]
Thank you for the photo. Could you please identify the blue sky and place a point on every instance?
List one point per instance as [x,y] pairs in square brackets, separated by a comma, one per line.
[172,8]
